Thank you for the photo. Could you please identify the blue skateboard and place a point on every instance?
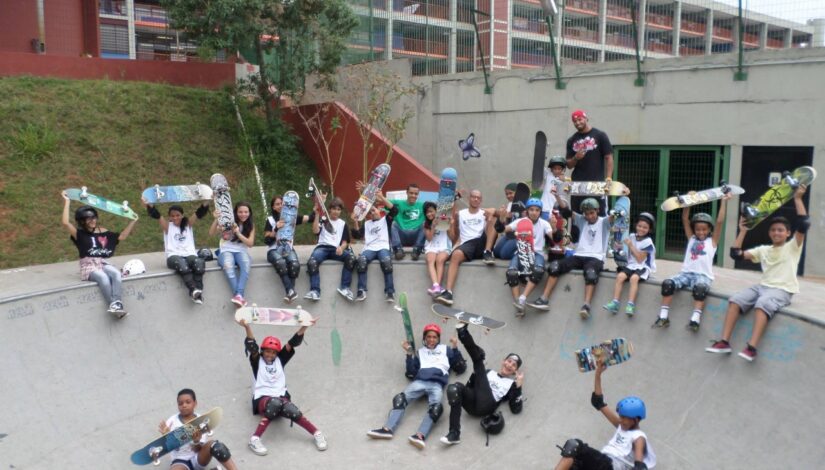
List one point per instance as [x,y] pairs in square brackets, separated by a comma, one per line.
[165,194]
[620,230]
[446,198]
[177,438]
[289,214]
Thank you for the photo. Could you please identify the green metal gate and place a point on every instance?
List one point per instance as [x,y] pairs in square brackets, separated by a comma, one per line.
[654,173]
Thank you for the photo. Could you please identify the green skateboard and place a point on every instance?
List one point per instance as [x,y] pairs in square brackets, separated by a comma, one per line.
[405,317]
[777,196]
[85,197]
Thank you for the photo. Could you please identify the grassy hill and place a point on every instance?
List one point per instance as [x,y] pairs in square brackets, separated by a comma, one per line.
[118,138]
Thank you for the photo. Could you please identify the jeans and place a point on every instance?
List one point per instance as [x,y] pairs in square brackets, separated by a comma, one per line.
[228,260]
[108,279]
[400,237]
[283,250]
[539,262]
[322,253]
[371,256]
[414,391]
[505,247]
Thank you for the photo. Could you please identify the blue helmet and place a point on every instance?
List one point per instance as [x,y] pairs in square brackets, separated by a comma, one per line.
[631,407]
[534,202]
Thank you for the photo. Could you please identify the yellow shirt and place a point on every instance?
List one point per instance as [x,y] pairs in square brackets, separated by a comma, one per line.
[779,265]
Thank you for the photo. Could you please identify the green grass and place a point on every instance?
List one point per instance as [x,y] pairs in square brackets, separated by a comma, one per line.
[118,138]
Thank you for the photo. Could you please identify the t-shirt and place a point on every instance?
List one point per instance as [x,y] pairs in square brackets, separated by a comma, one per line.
[185,452]
[592,237]
[620,449]
[548,199]
[541,228]
[440,242]
[341,233]
[470,226]
[499,385]
[699,256]
[648,265]
[376,233]
[779,265]
[95,245]
[270,380]
[597,145]
[179,243]
[410,216]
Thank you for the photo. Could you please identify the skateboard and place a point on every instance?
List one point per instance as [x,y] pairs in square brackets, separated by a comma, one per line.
[777,195]
[539,157]
[177,438]
[518,208]
[613,351]
[680,201]
[401,195]
[83,196]
[164,194]
[223,203]
[446,198]
[314,193]
[524,246]
[378,177]
[595,188]
[274,316]
[405,317]
[466,317]
[289,214]
[619,230]
[468,149]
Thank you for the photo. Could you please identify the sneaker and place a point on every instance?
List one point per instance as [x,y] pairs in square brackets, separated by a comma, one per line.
[313,295]
[399,254]
[487,257]
[540,304]
[719,347]
[612,307]
[693,326]
[445,298]
[112,307]
[434,290]
[362,296]
[519,308]
[238,300]
[380,433]
[390,298]
[290,296]
[661,323]
[417,440]
[748,354]
[452,438]
[630,310]
[320,441]
[256,446]
[119,311]
[416,253]
[585,312]
[346,293]
[197,296]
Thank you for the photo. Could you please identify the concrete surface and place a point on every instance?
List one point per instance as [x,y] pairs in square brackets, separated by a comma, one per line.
[81,388]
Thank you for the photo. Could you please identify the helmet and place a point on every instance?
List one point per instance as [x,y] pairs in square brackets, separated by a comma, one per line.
[535,202]
[701,217]
[84,212]
[206,254]
[631,407]
[648,217]
[589,204]
[271,342]
[493,424]
[557,160]
[133,266]
[432,327]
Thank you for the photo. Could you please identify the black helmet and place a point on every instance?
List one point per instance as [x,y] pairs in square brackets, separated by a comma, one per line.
[701,217]
[84,212]
[494,423]
[205,254]
[557,160]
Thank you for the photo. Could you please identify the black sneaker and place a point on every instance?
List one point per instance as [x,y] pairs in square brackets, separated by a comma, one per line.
[661,323]
[452,438]
[693,326]
[445,298]
[415,254]
[399,254]
[380,433]
[290,296]
[585,312]
[390,298]
[487,257]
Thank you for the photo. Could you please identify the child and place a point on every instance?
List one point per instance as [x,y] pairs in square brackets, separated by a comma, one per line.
[628,449]
[589,256]
[553,177]
[485,390]
[331,246]
[179,244]
[236,251]
[198,453]
[778,284]
[697,268]
[429,371]
[376,235]
[436,248]
[95,244]
[640,263]
[281,255]
[541,228]
[270,397]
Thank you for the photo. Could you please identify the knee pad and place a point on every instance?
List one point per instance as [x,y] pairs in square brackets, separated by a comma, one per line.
[537,275]
[199,266]
[435,412]
[571,448]
[291,411]
[512,278]
[273,408]
[399,402]
[553,269]
[293,268]
[312,266]
[361,264]
[349,260]
[668,287]
[219,450]
[591,276]
[386,265]
[280,266]
[454,394]
[182,266]
[700,291]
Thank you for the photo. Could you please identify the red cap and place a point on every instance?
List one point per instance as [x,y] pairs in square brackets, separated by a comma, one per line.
[577,114]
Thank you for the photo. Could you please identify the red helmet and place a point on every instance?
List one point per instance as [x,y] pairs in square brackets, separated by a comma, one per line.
[271,342]
[432,327]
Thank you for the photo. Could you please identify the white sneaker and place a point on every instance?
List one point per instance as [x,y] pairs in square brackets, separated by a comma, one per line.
[346,293]
[257,446]
[320,441]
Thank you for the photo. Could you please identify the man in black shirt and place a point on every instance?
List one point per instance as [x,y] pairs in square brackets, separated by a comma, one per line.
[590,155]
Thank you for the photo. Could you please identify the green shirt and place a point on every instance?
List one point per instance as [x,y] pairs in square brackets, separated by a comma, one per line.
[410,216]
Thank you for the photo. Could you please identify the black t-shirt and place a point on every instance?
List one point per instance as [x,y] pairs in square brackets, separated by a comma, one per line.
[95,245]
[597,144]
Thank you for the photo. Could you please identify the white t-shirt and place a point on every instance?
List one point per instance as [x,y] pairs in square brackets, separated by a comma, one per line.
[233,246]
[620,449]
[699,256]
[645,246]
[439,243]
[541,227]
[435,358]
[376,235]
[177,243]
[470,226]
[592,237]
[185,452]
[270,381]
[548,199]
[499,385]
[326,238]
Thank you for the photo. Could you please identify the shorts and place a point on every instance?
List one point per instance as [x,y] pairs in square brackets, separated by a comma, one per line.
[191,464]
[689,280]
[767,299]
[589,458]
[642,273]
[578,262]
[473,249]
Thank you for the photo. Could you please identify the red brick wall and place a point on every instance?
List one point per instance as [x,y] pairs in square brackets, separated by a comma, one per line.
[64,21]
[18,25]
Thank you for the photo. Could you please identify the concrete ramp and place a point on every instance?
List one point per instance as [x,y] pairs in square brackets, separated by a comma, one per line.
[83,389]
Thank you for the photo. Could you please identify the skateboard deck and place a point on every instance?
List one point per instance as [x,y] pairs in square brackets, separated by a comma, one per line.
[446,198]
[595,188]
[223,203]
[539,157]
[613,351]
[405,318]
[777,195]
[518,208]
[289,214]
[448,313]
[468,148]
[83,196]
[315,194]
[524,246]
[620,230]
[401,195]
[378,177]
[255,315]
[560,237]
[680,201]
[177,438]
[182,193]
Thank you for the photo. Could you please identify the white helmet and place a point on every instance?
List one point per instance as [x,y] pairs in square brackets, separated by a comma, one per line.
[133,266]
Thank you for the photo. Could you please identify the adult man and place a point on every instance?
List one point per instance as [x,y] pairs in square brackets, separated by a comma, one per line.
[407,228]
[590,155]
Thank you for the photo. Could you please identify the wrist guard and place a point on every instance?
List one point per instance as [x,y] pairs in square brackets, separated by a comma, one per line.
[153,212]
[597,401]
[639,465]
[736,253]
[202,211]
[803,223]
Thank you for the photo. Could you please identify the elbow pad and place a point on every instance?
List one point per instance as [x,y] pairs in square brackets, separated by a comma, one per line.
[597,401]
[153,212]
[251,347]
[803,223]
[202,211]
[736,253]
[296,340]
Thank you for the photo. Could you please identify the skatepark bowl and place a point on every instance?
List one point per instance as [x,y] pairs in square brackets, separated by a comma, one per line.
[82,388]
